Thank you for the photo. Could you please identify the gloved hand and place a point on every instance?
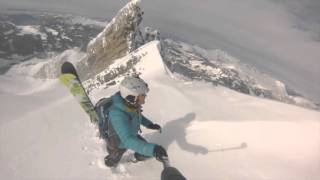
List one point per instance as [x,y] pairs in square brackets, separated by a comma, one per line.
[154,126]
[160,153]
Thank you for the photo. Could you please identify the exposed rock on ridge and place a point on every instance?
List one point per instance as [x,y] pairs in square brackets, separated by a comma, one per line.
[118,39]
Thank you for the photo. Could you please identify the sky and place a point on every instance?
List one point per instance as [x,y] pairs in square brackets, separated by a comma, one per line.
[279,37]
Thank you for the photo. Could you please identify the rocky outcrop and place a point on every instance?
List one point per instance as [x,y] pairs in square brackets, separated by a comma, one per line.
[120,37]
[13,43]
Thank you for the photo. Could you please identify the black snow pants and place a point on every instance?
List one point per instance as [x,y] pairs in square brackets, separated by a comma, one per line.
[115,153]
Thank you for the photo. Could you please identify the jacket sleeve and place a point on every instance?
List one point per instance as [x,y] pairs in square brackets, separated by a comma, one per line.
[120,124]
[145,122]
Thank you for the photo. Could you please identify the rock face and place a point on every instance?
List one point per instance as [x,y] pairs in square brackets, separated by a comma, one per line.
[120,37]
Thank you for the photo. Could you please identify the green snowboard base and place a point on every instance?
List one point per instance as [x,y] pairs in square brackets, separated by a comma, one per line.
[70,79]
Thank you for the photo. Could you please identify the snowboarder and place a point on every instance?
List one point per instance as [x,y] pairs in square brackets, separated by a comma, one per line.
[124,120]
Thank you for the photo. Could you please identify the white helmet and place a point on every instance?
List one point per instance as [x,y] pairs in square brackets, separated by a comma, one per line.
[131,87]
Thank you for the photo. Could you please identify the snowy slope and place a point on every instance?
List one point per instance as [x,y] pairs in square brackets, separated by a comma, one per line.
[44,134]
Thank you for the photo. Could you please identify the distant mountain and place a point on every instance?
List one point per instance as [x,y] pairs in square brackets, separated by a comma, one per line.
[24,36]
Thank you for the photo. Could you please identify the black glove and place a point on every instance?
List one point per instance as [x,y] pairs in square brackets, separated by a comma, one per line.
[154,126]
[160,153]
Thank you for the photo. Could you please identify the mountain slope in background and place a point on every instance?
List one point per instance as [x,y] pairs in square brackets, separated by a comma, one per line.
[25,35]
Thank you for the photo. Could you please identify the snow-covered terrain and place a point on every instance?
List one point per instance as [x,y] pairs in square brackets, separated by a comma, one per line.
[221,118]
[210,132]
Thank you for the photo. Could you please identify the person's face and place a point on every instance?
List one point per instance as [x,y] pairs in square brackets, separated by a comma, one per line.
[141,99]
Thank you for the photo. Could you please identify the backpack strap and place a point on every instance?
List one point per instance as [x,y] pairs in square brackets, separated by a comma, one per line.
[101,106]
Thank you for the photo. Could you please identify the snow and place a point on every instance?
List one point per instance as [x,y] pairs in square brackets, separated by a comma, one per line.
[52,31]
[65,37]
[87,21]
[47,68]
[28,29]
[31,30]
[44,133]
[8,32]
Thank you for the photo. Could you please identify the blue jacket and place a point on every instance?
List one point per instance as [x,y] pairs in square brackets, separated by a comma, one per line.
[126,122]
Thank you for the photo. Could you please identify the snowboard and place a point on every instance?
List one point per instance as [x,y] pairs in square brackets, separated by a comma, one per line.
[70,79]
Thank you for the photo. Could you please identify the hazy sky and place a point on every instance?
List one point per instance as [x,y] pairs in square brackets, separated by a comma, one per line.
[280,37]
